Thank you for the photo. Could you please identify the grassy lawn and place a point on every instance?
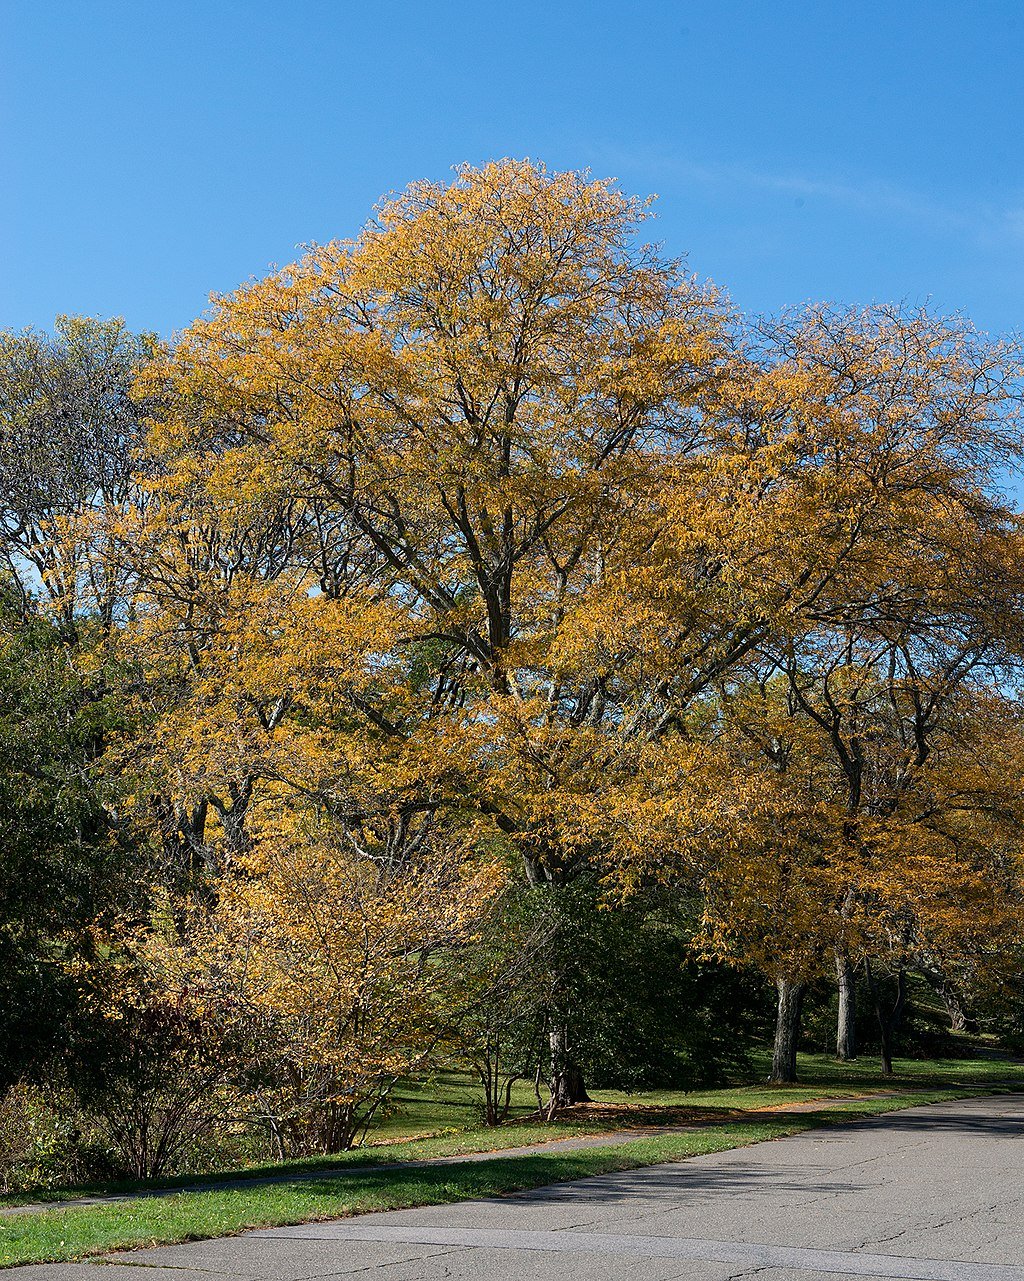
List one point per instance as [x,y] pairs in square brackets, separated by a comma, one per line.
[76,1233]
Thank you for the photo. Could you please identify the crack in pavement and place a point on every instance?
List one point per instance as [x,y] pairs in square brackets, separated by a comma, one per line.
[108,1261]
[752,1254]
[127,1261]
[930,1225]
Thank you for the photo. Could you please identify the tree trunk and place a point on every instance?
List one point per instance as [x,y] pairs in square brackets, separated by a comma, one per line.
[899,1007]
[567,1084]
[846,1027]
[957,1013]
[889,1021]
[947,993]
[959,1019]
[787,1031]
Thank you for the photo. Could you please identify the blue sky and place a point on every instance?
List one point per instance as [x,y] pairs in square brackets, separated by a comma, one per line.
[152,152]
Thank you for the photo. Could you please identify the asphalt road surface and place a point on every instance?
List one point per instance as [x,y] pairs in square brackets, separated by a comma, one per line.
[929,1194]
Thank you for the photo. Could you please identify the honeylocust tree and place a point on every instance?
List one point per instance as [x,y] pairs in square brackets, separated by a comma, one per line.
[913,419]
[470,396]
[845,535]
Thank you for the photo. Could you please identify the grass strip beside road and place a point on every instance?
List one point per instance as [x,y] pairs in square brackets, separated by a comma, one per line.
[415,1133]
[64,1235]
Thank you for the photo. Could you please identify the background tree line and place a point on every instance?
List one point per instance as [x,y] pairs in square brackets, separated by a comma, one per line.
[478,644]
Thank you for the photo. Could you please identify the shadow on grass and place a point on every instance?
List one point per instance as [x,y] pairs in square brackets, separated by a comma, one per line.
[949,1077]
[75,1233]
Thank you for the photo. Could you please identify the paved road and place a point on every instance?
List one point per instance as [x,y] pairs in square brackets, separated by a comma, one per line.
[930,1194]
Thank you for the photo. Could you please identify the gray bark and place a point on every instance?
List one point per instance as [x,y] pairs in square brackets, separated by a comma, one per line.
[889,1021]
[959,1021]
[567,1084]
[787,1031]
[846,1024]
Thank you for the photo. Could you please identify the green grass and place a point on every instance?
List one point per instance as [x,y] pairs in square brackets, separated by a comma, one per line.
[444,1102]
[66,1234]
[821,1077]
[441,1117]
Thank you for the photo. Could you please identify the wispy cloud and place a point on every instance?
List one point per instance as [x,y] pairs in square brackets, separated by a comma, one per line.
[988,223]
[1015,222]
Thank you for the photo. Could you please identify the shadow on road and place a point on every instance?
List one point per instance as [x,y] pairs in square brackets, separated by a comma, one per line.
[933,1121]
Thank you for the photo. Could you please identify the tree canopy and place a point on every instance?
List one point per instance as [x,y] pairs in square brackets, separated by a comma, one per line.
[477,632]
